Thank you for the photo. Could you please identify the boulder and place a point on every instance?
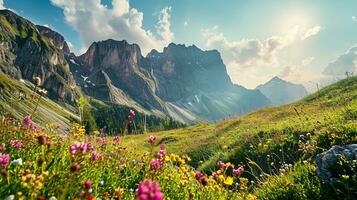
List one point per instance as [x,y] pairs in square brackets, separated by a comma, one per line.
[329,158]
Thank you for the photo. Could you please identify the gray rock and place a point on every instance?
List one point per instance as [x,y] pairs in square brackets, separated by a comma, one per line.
[328,158]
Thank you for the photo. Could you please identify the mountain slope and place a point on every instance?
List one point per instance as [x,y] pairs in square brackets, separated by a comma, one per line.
[282,92]
[25,53]
[328,115]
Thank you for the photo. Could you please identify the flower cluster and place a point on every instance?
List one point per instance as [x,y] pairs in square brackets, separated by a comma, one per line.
[4,160]
[28,123]
[16,143]
[78,147]
[148,190]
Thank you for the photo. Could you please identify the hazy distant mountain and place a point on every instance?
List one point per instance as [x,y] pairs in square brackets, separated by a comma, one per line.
[281,92]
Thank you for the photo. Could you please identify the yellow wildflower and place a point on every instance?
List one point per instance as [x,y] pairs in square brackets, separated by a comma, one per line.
[228,181]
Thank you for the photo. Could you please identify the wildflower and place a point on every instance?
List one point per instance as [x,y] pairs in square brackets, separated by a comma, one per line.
[221,164]
[155,164]
[75,167]
[37,81]
[27,121]
[78,147]
[95,156]
[52,198]
[239,171]
[87,184]
[198,174]
[4,160]
[148,191]
[17,162]
[131,114]
[228,181]
[2,147]
[152,139]
[90,197]
[16,143]
[117,139]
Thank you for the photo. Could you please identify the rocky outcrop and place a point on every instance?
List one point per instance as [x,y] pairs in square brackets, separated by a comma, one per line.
[329,158]
[120,61]
[55,38]
[26,53]
[181,72]
[282,92]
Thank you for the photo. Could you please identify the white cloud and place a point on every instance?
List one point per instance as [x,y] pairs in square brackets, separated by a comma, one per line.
[94,22]
[185,23]
[311,32]
[307,61]
[163,26]
[247,59]
[346,62]
[354,18]
[2,5]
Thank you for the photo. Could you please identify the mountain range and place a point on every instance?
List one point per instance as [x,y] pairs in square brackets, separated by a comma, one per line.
[183,82]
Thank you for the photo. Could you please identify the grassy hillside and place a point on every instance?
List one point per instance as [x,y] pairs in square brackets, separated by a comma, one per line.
[330,107]
[16,100]
[272,150]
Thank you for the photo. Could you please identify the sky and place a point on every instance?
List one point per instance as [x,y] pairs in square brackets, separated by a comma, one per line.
[295,40]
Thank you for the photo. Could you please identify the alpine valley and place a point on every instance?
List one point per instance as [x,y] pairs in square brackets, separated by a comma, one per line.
[183,82]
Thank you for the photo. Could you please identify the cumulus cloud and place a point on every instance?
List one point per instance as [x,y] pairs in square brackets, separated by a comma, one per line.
[163,26]
[347,62]
[95,21]
[249,57]
[311,32]
[2,5]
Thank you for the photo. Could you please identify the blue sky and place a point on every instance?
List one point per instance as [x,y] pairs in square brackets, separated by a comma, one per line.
[295,40]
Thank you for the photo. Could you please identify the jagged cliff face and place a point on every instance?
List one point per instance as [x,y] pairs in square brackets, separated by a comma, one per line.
[55,38]
[182,71]
[116,65]
[26,53]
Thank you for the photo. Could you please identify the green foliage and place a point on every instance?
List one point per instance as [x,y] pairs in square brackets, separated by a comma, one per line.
[299,183]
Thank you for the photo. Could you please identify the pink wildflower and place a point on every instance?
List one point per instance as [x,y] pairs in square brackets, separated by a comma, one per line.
[78,148]
[16,143]
[95,156]
[221,164]
[131,114]
[4,160]
[117,139]
[239,171]
[148,191]
[155,164]
[152,139]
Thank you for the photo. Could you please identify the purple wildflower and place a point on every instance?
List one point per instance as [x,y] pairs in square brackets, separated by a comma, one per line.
[155,164]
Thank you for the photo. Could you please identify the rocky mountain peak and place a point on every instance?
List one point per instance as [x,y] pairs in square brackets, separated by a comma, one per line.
[55,38]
